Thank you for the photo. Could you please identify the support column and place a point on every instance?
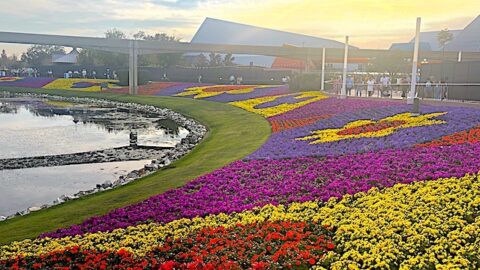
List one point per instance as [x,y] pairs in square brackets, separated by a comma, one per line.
[460,56]
[343,93]
[322,85]
[413,85]
[133,68]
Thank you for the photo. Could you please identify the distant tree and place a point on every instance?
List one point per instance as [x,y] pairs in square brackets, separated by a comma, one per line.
[115,34]
[201,60]
[3,59]
[215,60]
[38,55]
[444,37]
[104,58]
[228,59]
[162,60]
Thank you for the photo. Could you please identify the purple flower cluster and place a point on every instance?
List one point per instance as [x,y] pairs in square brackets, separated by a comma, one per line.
[284,144]
[246,184]
[178,88]
[29,82]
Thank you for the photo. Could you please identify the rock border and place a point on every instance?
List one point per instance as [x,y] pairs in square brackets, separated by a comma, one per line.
[196,133]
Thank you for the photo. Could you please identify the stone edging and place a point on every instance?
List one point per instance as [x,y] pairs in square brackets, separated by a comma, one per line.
[165,157]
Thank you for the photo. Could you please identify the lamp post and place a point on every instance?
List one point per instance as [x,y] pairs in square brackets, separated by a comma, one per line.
[413,84]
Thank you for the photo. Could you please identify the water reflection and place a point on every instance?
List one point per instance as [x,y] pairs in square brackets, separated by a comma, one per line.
[35,127]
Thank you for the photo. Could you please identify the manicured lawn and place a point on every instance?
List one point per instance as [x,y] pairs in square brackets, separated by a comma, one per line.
[233,134]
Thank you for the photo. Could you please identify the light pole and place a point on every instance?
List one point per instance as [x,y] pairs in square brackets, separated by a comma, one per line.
[343,93]
[413,84]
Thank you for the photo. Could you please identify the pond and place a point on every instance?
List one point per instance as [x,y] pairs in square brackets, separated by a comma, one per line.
[32,127]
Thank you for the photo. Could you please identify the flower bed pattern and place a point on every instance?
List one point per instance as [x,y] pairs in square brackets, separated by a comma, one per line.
[340,184]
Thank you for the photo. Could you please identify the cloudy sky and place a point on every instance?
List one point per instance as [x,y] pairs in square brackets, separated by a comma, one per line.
[370,23]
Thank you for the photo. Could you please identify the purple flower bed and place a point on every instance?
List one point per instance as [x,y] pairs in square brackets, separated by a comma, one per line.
[256,93]
[283,144]
[180,87]
[29,82]
[246,184]
[281,100]
[333,106]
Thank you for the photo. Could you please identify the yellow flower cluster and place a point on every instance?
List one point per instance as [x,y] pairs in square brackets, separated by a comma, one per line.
[210,91]
[408,120]
[251,104]
[424,225]
[67,84]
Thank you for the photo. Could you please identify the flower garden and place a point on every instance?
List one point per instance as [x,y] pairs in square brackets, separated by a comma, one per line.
[339,184]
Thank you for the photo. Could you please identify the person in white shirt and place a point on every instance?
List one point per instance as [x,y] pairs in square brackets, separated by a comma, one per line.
[370,85]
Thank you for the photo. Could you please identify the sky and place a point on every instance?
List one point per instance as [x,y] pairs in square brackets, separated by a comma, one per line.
[369,23]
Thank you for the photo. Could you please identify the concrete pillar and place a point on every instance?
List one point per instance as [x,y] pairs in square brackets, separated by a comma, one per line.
[343,93]
[322,85]
[413,85]
[133,68]
[460,56]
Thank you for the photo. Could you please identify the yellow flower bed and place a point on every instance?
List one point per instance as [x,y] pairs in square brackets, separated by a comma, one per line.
[215,90]
[67,84]
[407,119]
[423,225]
[250,104]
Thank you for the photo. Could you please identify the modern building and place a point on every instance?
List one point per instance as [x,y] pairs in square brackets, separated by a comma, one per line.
[230,33]
[467,39]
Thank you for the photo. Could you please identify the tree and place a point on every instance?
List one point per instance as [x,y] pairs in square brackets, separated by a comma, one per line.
[3,59]
[104,58]
[443,38]
[162,60]
[228,59]
[215,60]
[41,54]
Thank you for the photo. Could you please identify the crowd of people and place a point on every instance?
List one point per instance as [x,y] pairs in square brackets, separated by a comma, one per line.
[384,86]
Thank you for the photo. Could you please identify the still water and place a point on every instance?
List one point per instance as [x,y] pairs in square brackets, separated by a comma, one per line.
[38,127]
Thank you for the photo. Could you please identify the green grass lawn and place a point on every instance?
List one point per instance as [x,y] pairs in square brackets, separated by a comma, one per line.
[233,134]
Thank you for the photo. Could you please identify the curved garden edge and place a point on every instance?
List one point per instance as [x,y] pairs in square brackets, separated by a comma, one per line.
[232,134]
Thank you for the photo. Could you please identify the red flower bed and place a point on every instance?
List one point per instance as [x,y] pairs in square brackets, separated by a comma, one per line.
[279,125]
[466,136]
[371,127]
[253,246]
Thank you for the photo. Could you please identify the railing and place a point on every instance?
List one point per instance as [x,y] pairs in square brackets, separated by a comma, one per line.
[436,91]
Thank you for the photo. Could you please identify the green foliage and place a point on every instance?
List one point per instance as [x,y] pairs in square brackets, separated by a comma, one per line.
[41,54]
[444,37]
[215,60]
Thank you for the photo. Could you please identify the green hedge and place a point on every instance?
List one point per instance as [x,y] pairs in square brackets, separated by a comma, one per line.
[143,77]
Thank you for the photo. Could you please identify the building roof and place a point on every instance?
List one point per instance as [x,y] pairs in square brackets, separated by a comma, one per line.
[424,46]
[468,39]
[69,58]
[231,33]
[431,38]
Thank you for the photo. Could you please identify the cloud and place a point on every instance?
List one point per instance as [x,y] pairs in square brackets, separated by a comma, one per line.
[371,23]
